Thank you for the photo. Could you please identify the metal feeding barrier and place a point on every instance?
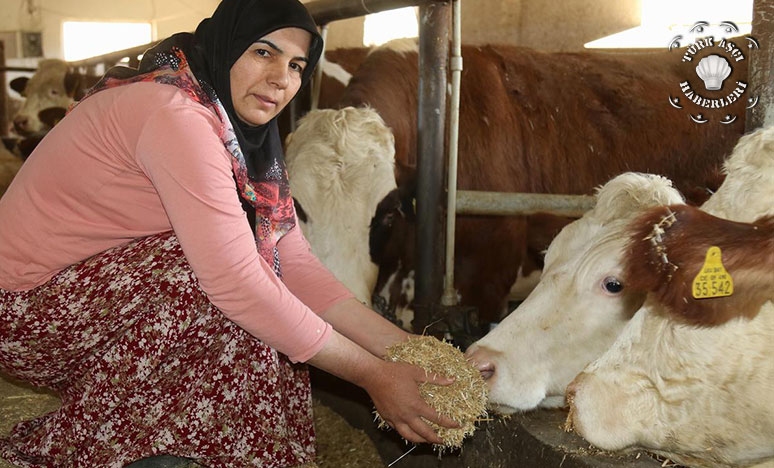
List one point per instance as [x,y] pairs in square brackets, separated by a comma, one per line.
[435,298]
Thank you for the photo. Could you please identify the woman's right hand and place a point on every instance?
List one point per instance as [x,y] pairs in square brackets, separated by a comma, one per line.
[395,393]
[393,387]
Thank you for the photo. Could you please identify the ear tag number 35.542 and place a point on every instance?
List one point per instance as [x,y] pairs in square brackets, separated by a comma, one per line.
[713,280]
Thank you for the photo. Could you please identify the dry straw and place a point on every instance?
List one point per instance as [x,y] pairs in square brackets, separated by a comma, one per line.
[464,401]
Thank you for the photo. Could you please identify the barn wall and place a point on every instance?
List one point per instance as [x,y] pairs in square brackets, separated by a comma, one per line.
[167,17]
[564,25]
[550,26]
[345,33]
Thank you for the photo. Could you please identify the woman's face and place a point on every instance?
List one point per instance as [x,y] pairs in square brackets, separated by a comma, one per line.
[268,74]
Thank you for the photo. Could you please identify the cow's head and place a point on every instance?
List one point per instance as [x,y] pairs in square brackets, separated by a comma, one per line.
[745,192]
[340,165]
[52,86]
[690,378]
[579,306]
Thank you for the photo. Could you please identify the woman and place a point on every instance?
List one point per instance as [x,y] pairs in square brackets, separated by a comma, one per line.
[153,273]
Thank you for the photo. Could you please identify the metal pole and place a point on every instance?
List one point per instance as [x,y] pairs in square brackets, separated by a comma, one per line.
[318,72]
[760,72]
[325,11]
[504,204]
[449,297]
[433,54]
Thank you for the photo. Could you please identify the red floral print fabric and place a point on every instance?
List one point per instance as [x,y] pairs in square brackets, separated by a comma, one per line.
[146,365]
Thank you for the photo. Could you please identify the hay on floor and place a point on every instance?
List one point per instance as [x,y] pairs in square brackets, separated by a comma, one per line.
[340,445]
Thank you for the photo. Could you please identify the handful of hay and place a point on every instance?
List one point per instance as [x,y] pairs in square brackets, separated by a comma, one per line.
[464,401]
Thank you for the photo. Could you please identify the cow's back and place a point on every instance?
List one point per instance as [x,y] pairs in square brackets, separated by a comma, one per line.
[547,123]
[550,122]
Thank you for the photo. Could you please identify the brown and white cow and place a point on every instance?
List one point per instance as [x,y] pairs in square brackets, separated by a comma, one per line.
[577,308]
[52,86]
[545,123]
[692,379]
[340,165]
[582,302]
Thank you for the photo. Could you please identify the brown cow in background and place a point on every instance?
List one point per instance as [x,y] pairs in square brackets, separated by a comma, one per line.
[53,86]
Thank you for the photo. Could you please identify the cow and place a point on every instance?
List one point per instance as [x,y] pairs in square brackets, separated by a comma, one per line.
[340,165]
[582,302]
[536,122]
[691,377]
[52,86]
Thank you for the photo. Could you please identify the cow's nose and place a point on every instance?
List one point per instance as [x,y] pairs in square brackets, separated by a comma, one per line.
[487,370]
[481,361]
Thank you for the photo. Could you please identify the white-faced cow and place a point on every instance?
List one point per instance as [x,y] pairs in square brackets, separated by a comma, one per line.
[577,308]
[52,86]
[582,302]
[340,165]
[692,374]
[541,123]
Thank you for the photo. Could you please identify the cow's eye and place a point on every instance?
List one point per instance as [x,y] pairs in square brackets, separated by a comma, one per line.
[54,92]
[611,285]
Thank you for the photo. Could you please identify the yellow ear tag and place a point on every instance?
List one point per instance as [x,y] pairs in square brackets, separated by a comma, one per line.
[713,280]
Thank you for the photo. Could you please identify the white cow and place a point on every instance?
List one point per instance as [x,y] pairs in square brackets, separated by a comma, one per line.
[691,379]
[580,305]
[341,165]
[53,87]
[577,309]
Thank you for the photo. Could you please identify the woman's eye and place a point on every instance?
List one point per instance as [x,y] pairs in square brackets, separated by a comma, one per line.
[612,285]
[262,52]
[297,67]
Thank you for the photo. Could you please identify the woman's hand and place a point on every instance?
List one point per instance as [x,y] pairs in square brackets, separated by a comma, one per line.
[393,387]
[395,393]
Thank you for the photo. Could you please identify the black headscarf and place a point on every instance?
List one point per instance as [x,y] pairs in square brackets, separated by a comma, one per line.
[220,40]
[214,48]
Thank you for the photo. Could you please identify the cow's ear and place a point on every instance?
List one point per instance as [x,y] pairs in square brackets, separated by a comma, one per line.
[74,86]
[624,196]
[18,84]
[72,83]
[52,115]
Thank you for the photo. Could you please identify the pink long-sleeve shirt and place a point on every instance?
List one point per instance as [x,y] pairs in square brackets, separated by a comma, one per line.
[141,159]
